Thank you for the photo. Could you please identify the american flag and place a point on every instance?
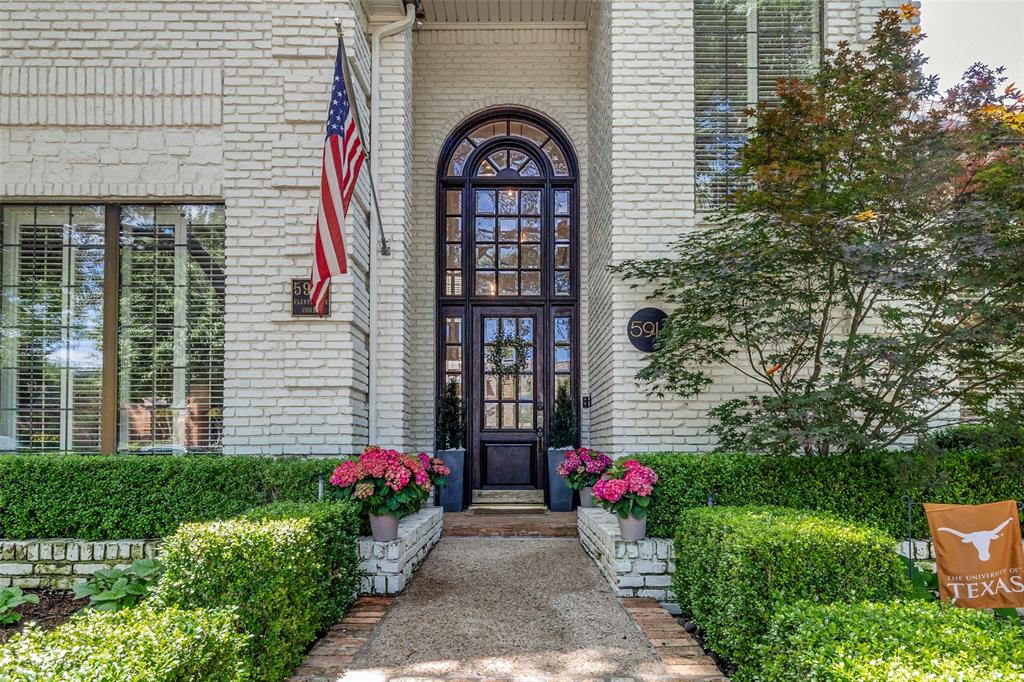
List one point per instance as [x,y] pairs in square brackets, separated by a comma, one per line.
[343,158]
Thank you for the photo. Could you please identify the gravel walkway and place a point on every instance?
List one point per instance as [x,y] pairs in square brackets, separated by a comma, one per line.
[507,607]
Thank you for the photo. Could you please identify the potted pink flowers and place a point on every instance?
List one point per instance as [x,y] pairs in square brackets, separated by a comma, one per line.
[438,472]
[582,468]
[386,485]
[626,491]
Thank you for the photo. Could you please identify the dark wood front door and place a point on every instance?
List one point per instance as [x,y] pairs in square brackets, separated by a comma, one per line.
[506,396]
[508,258]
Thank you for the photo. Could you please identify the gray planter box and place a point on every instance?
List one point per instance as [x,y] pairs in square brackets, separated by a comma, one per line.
[559,492]
[452,495]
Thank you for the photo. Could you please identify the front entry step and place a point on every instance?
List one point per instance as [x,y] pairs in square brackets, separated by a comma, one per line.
[508,497]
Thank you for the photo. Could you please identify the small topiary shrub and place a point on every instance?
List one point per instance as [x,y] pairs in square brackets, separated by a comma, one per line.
[336,526]
[165,645]
[103,497]
[289,570]
[736,566]
[912,641]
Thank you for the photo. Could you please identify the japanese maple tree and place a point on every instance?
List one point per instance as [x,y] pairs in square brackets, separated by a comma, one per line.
[868,277]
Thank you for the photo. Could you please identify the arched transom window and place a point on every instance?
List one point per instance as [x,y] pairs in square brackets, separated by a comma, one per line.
[507,194]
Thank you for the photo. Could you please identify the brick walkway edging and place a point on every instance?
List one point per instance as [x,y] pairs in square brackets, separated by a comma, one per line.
[331,655]
[682,656]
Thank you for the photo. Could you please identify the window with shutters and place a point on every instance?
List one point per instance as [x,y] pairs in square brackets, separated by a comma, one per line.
[161,267]
[742,48]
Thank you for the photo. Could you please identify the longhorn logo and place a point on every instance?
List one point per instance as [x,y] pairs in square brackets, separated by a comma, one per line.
[981,539]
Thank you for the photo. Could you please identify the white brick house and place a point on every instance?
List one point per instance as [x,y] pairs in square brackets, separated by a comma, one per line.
[181,108]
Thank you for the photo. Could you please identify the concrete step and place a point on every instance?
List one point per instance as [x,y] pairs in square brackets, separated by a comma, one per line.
[508,497]
[483,509]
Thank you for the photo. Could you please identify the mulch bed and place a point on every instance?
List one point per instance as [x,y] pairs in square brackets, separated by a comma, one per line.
[54,608]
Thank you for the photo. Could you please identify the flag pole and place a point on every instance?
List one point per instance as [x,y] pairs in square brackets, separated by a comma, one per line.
[385,248]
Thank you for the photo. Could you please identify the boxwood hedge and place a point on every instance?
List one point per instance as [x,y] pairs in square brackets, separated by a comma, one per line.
[120,496]
[132,645]
[289,571]
[736,565]
[864,488]
[911,641]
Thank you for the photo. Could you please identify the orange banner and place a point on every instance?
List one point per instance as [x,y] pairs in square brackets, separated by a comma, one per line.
[978,553]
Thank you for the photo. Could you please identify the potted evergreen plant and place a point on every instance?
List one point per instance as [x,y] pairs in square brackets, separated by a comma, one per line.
[450,438]
[561,439]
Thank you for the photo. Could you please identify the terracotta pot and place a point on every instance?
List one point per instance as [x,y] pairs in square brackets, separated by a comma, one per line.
[632,528]
[587,497]
[384,527]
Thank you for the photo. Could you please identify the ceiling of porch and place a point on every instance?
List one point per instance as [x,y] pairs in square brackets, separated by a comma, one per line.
[458,13]
[506,11]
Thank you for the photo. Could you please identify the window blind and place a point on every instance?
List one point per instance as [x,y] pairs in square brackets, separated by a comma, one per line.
[51,314]
[741,49]
[172,327]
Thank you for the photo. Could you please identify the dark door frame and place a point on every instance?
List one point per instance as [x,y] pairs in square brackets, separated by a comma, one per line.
[463,304]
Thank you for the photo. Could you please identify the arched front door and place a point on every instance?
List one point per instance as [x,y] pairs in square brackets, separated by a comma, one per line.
[508,288]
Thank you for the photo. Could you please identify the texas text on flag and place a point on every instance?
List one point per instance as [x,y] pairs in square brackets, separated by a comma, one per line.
[343,158]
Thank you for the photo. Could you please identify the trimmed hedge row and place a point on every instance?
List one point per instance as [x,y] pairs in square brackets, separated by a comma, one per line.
[142,643]
[289,570]
[864,488]
[914,641]
[97,497]
[735,566]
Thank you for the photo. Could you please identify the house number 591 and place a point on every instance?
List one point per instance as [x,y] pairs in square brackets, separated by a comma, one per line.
[644,327]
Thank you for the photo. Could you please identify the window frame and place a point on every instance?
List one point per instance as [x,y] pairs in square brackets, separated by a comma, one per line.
[110,407]
[722,186]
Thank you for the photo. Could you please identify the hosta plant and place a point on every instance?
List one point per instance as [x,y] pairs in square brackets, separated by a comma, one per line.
[626,489]
[112,589]
[386,482]
[582,467]
[11,597]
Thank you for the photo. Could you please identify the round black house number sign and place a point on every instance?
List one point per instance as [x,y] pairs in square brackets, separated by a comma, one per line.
[644,326]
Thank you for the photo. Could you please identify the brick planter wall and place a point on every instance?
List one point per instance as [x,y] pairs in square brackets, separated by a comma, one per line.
[60,563]
[642,568]
[388,566]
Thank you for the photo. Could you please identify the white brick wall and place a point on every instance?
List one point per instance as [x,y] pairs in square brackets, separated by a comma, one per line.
[60,563]
[217,100]
[638,568]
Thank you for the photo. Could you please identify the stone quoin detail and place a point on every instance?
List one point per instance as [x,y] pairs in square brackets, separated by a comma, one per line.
[387,567]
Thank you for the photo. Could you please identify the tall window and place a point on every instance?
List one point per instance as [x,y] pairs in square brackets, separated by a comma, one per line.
[172,326]
[169,339]
[51,314]
[742,48]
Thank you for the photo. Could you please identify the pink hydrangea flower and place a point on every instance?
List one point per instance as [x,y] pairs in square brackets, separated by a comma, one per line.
[610,489]
[363,490]
[346,474]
